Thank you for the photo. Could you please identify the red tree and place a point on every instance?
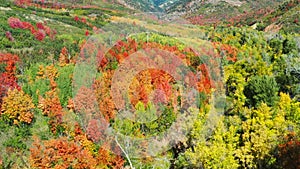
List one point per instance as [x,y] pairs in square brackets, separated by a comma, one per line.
[289,152]
[9,36]
[40,35]
[8,79]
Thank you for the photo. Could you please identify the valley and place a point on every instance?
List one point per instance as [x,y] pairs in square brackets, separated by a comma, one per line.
[160,84]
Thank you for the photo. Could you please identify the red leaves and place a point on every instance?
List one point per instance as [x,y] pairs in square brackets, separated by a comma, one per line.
[123,49]
[15,23]
[95,130]
[22,2]
[8,79]
[87,33]
[40,33]
[76,18]
[83,20]
[230,51]
[204,83]
[9,36]
[289,152]
[27,25]
[156,85]
[40,25]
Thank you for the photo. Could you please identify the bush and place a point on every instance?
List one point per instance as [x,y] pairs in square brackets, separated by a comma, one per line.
[261,89]
[64,83]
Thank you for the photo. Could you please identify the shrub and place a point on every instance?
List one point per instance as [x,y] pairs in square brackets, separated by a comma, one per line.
[18,106]
[261,89]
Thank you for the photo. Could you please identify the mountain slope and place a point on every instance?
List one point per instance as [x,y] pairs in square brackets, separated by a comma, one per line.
[284,14]
[151,5]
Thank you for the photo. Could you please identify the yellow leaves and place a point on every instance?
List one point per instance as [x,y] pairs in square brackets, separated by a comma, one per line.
[288,112]
[17,106]
[26,117]
[260,131]
[41,72]
[85,143]
[285,101]
[244,155]
[263,112]
[49,72]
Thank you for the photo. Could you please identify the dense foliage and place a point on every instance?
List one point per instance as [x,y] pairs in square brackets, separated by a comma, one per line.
[47,122]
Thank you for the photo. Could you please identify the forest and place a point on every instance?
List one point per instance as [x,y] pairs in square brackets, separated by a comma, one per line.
[96,84]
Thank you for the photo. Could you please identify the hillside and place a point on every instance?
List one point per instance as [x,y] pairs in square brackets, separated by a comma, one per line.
[161,84]
[273,15]
[241,13]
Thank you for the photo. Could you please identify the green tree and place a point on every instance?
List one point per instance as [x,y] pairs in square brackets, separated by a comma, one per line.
[261,89]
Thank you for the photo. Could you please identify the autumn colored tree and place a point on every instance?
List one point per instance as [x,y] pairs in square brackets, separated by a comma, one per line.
[64,57]
[103,155]
[51,107]
[40,34]
[22,3]
[289,152]
[9,36]
[15,23]
[8,78]
[229,51]
[18,106]
[102,94]
[85,104]
[95,129]
[49,72]
[60,153]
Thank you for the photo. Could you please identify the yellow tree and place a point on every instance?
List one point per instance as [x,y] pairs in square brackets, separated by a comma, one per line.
[18,106]
[259,136]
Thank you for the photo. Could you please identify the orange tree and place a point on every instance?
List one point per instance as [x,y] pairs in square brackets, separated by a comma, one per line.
[18,107]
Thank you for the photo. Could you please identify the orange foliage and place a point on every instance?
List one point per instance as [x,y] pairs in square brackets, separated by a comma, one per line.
[103,156]
[60,153]
[140,88]
[49,72]
[71,105]
[204,84]
[102,92]
[63,57]
[18,105]
[52,108]
[146,82]
[231,52]
[95,129]
[85,100]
